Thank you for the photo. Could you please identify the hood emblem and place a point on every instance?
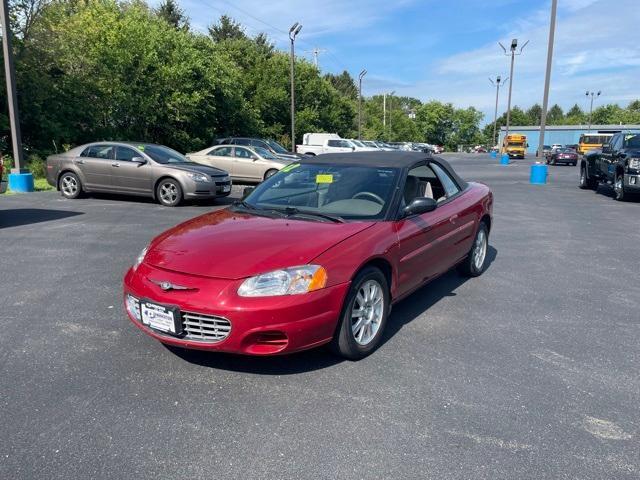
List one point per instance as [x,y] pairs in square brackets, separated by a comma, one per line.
[166,286]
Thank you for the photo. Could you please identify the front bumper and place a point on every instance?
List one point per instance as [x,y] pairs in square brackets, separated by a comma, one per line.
[259,326]
[218,187]
[632,182]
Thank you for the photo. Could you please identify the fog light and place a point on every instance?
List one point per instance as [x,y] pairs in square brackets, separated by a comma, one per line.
[133,307]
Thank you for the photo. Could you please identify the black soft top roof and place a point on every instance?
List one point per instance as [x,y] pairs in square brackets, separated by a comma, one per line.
[382,159]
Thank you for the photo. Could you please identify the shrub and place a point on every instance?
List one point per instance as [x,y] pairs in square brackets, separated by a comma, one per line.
[37,166]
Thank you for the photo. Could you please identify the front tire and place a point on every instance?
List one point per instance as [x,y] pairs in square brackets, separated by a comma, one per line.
[618,188]
[476,261]
[364,315]
[70,185]
[270,173]
[169,192]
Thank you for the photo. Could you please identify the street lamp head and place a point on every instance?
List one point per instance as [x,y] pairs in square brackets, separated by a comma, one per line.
[362,74]
[514,44]
[498,79]
[294,30]
[599,92]
[587,93]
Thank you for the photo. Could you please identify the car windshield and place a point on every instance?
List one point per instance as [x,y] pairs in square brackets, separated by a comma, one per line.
[566,150]
[632,141]
[276,146]
[162,154]
[515,144]
[264,153]
[358,143]
[344,191]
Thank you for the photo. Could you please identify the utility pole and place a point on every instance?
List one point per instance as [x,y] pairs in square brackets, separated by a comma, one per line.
[360,77]
[293,32]
[12,99]
[512,53]
[591,108]
[547,77]
[384,111]
[495,113]
[315,52]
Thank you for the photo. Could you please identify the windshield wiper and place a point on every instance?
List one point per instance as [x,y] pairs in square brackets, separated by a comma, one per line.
[243,204]
[291,211]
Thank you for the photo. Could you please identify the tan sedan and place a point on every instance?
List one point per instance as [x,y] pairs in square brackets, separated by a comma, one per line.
[244,164]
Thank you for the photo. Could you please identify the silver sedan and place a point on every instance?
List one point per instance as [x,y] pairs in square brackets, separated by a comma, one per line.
[245,164]
[144,169]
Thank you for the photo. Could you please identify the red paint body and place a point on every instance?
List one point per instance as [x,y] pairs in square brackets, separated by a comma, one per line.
[214,253]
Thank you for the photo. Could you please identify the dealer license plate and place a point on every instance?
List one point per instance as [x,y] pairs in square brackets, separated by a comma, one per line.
[226,188]
[158,317]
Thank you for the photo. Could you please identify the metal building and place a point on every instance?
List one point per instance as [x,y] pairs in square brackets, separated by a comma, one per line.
[563,134]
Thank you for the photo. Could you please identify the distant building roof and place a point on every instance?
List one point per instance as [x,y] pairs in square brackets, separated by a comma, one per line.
[571,127]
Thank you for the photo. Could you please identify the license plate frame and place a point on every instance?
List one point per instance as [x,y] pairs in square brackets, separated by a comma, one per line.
[162,318]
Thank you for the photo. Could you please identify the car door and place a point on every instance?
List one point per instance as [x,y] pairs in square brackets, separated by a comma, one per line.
[606,158]
[95,166]
[424,241]
[245,165]
[219,157]
[129,176]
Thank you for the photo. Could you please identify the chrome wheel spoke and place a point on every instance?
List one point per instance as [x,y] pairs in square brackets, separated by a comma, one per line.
[367,312]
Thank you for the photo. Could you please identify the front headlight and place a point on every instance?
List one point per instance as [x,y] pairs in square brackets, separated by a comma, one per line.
[140,258]
[634,163]
[288,281]
[198,177]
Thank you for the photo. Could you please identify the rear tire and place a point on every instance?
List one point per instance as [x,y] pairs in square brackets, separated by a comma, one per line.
[586,182]
[270,173]
[169,192]
[70,185]
[476,261]
[364,316]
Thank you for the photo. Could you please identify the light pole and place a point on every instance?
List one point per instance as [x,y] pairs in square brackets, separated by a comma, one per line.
[384,111]
[547,78]
[360,77]
[293,31]
[495,113]
[12,98]
[512,53]
[597,94]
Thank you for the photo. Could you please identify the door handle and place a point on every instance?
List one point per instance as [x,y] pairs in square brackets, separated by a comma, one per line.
[453,218]
[115,164]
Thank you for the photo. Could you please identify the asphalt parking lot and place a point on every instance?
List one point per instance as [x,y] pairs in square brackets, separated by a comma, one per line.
[530,371]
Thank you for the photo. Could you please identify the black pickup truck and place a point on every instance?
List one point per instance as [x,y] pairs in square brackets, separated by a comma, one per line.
[617,163]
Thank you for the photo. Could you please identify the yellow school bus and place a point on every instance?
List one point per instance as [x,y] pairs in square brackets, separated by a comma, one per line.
[515,145]
[589,141]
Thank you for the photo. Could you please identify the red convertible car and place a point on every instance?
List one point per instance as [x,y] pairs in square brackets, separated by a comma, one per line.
[316,254]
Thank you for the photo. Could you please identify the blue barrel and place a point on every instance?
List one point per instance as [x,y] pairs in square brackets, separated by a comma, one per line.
[21,182]
[494,154]
[538,174]
[504,160]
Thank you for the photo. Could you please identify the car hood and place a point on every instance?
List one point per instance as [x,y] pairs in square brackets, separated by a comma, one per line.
[232,245]
[289,157]
[195,167]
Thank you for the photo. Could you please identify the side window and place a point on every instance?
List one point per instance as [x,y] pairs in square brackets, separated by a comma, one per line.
[222,152]
[126,154]
[333,143]
[104,152]
[241,141]
[345,144]
[618,144]
[449,185]
[243,153]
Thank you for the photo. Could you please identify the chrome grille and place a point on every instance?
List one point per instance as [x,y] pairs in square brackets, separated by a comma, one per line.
[206,328]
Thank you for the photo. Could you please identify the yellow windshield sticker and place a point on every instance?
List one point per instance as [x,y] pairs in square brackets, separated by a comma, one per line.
[290,167]
[324,178]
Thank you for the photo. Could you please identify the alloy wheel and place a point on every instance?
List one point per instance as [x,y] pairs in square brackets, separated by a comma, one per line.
[168,193]
[367,312]
[480,250]
[618,187]
[69,185]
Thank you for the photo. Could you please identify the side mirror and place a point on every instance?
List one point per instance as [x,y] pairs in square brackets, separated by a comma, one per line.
[139,160]
[353,149]
[420,205]
[254,157]
[247,191]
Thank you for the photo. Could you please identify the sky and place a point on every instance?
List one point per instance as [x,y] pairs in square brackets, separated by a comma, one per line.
[447,50]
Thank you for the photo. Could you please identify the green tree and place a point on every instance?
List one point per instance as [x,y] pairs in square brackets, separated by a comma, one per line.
[575,116]
[170,11]
[555,115]
[226,29]
[343,83]
[535,114]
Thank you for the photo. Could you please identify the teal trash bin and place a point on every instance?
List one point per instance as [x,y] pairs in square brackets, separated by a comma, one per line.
[21,182]
[504,160]
[538,174]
